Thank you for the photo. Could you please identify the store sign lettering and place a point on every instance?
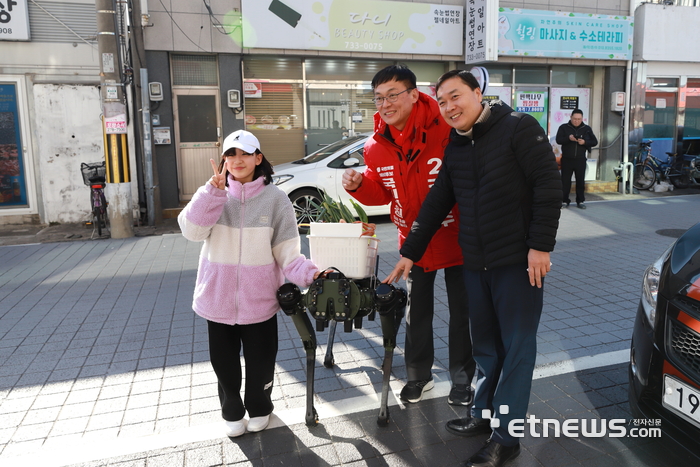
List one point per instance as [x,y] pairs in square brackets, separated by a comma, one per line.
[560,34]
[354,25]
[14,20]
[355,18]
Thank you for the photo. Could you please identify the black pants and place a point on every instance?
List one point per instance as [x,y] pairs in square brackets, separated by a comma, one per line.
[259,351]
[576,166]
[419,326]
[505,313]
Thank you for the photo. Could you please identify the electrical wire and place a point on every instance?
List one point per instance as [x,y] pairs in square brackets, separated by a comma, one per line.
[178,26]
[220,28]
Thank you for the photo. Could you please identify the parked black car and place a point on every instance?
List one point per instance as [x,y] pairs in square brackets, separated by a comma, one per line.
[664,371]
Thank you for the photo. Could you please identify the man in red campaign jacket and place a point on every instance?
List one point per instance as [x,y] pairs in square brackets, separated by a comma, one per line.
[403,159]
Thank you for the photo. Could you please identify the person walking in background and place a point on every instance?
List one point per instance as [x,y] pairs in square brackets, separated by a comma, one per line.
[251,243]
[576,139]
[403,159]
[500,170]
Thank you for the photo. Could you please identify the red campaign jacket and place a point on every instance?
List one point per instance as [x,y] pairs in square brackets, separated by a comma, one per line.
[404,181]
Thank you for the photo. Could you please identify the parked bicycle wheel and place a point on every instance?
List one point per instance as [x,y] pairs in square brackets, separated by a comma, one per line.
[644,177]
[680,181]
[97,219]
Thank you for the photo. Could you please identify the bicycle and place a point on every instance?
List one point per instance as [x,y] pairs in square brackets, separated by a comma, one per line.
[94,177]
[648,168]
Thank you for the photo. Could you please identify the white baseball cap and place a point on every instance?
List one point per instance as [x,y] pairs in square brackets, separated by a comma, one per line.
[241,139]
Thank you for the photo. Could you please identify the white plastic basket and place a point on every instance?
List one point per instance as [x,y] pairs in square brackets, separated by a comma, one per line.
[356,257]
[335,229]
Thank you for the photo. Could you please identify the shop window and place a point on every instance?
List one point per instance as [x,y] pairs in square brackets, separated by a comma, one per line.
[664,82]
[343,70]
[660,115]
[692,117]
[572,75]
[274,113]
[500,74]
[531,74]
[272,68]
[194,70]
[427,72]
[13,189]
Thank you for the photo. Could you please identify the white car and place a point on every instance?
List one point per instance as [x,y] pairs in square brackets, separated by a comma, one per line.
[306,179]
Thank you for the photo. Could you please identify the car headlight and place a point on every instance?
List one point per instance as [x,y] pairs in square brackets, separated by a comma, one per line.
[280,179]
[650,286]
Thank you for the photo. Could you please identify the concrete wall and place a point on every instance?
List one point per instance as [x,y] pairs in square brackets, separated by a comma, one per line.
[70,132]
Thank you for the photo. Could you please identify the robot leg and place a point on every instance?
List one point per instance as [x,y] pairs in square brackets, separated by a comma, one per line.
[391,306]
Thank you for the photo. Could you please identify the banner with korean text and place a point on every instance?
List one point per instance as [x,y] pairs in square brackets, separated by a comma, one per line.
[353,25]
[542,33]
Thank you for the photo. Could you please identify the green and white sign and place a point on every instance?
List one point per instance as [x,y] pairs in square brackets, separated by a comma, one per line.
[534,102]
[542,33]
[353,25]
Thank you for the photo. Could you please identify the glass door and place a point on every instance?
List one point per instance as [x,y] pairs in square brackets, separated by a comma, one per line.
[198,137]
[660,108]
[336,111]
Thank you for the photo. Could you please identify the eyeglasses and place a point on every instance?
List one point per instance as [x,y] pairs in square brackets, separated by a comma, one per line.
[379,101]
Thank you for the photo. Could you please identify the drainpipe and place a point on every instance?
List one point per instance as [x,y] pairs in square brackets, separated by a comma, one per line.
[625,164]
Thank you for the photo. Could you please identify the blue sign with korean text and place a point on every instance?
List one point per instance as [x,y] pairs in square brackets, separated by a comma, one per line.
[542,33]
[13,191]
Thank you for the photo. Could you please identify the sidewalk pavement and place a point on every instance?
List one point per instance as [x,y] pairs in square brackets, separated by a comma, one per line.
[104,363]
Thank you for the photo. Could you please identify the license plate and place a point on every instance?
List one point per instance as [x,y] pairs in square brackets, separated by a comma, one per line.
[682,398]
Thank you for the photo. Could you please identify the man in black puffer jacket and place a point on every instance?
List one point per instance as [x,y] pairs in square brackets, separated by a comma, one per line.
[576,138]
[500,170]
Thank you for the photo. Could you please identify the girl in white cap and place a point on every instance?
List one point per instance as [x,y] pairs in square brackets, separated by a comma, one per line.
[251,243]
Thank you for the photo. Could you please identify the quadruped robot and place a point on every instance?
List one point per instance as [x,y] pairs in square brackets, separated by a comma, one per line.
[333,299]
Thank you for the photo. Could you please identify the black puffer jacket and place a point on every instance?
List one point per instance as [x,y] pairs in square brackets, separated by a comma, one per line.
[508,189]
[571,149]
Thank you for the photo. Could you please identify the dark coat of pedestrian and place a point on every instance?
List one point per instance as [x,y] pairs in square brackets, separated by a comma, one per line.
[576,140]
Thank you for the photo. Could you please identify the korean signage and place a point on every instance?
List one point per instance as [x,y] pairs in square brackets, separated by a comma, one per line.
[252,90]
[14,20]
[560,34]
[114,117]
[533,103]
[481,31]
[353,25]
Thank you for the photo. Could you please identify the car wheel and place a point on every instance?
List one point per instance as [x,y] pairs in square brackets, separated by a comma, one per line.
[306,205]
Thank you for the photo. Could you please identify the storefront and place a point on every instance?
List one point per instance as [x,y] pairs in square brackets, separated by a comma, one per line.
[297,105]
[668,108]
[665,103]
[304,70]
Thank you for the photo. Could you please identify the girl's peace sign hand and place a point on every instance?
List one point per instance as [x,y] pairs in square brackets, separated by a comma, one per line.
[219,178]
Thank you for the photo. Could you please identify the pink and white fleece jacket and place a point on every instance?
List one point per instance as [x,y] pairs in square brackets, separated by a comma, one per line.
[251,243]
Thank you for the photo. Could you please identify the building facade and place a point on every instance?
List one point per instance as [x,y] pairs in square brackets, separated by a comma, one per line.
[50,111]
[304,82]
[665,105]
[293,74]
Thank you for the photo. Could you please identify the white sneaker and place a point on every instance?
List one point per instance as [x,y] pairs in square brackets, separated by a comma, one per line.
[258,423]
[234,429]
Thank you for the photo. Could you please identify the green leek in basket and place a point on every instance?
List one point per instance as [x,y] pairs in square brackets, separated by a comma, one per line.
[334,211]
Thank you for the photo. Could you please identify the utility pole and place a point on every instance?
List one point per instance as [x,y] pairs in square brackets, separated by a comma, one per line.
[118,189]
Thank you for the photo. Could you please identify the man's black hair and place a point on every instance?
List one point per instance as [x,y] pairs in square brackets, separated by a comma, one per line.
[577,111]
[464,75]
[263,169]
[400,73]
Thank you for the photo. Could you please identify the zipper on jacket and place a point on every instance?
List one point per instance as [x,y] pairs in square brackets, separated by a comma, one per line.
[476,201]
[240,250]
